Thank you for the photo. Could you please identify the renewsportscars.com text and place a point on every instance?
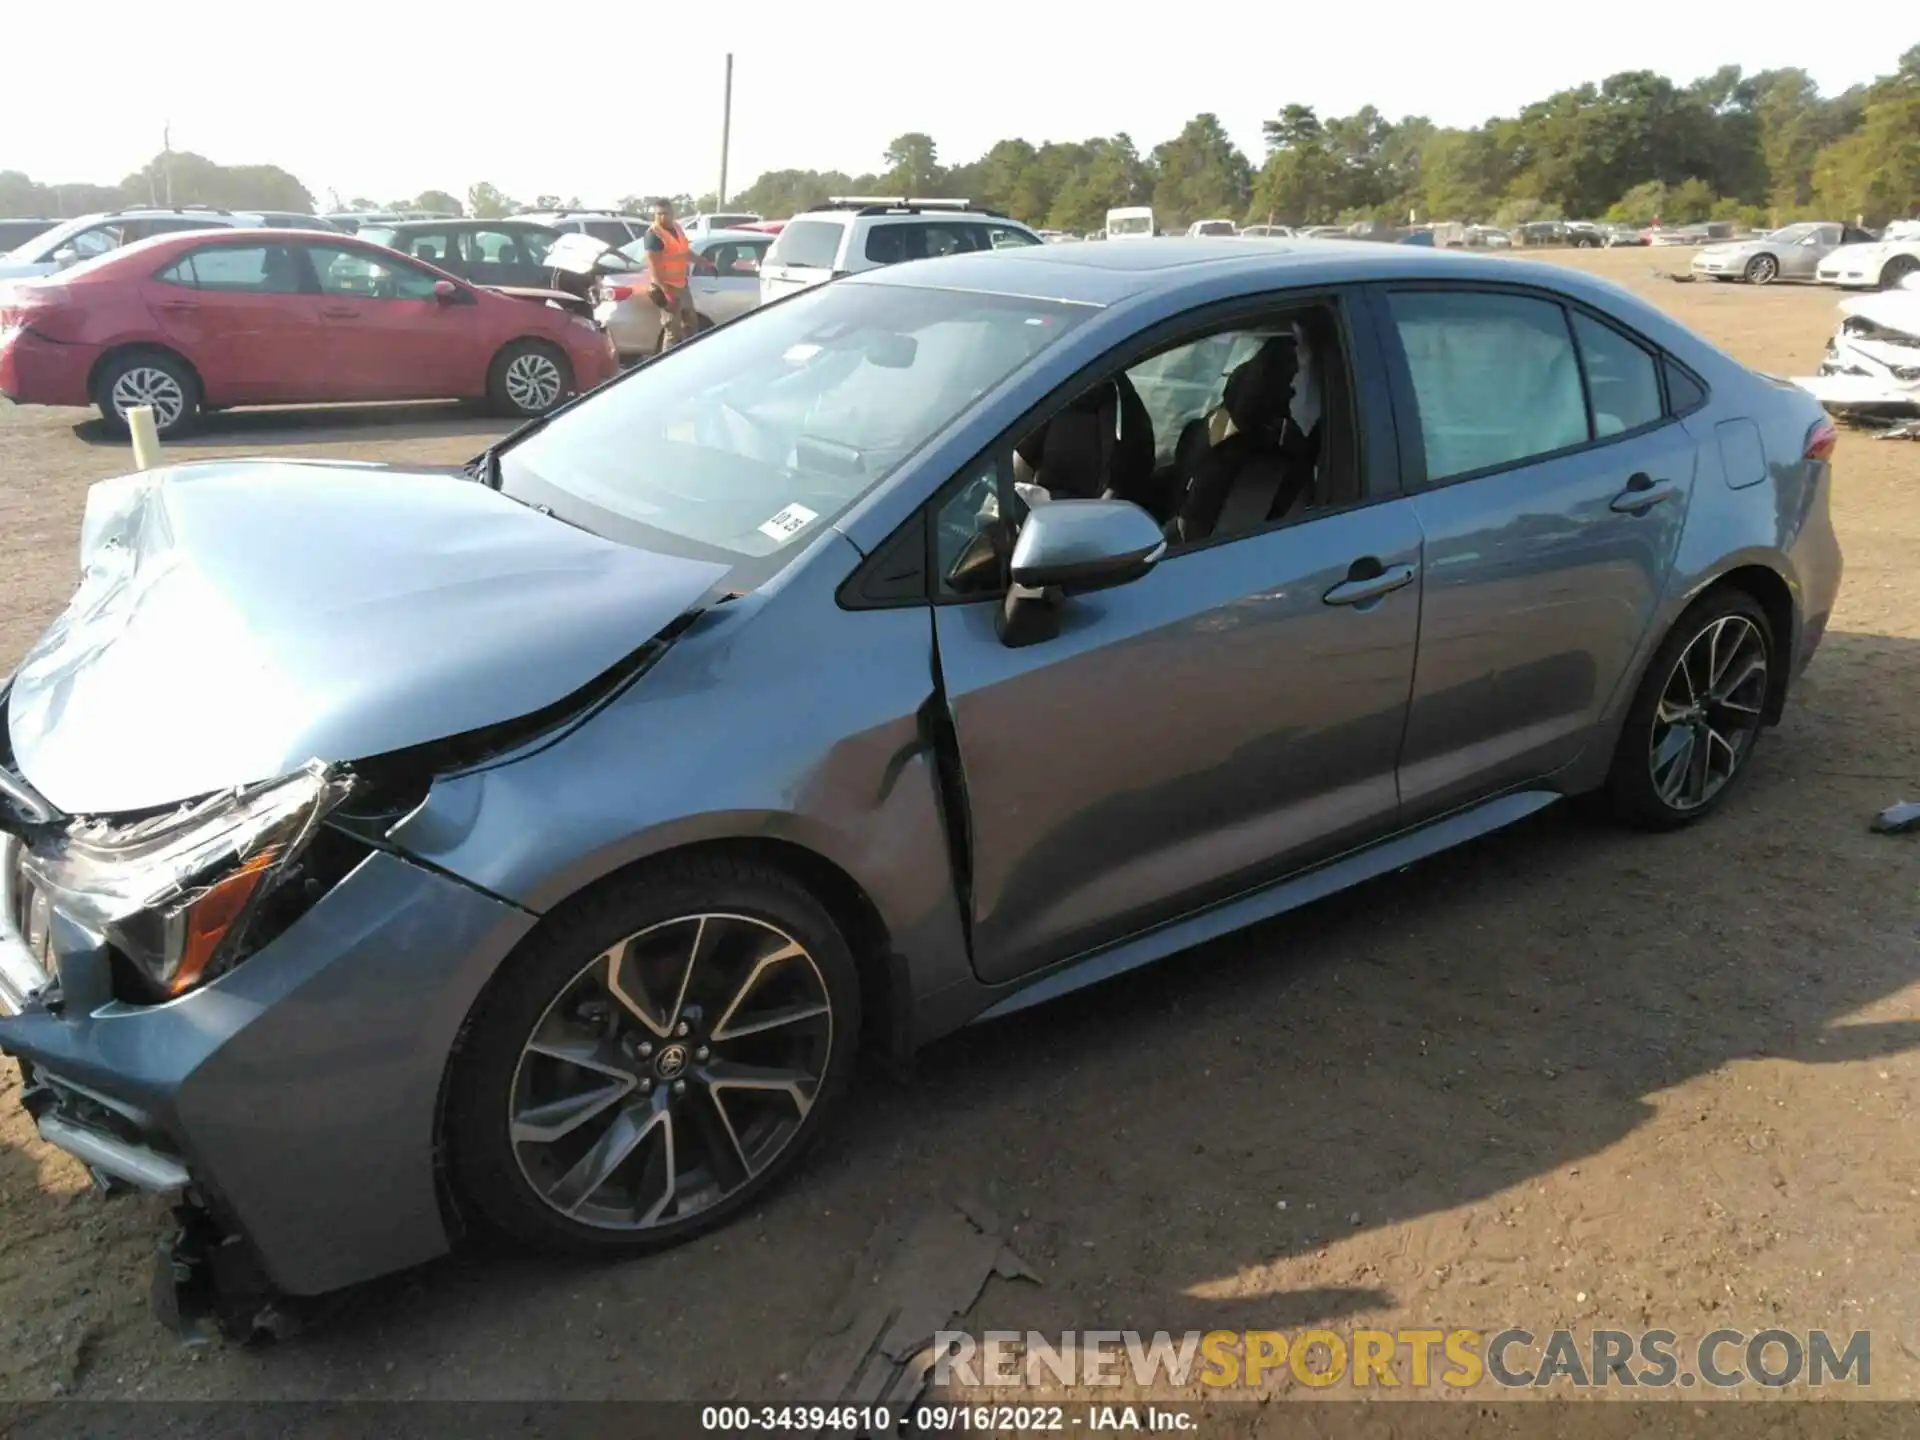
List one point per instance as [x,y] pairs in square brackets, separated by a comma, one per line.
[1412,1358]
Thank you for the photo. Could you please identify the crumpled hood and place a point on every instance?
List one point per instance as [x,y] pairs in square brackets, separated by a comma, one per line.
[239,618]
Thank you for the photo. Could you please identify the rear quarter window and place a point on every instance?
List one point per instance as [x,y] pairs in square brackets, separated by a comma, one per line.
[811,243]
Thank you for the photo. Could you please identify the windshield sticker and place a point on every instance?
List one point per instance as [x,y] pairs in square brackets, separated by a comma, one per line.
[788,523]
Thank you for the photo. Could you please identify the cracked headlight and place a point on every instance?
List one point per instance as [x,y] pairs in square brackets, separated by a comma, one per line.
[174,892]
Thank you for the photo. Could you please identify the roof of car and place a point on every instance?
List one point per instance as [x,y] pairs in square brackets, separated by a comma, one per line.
[759,237]
[1107,274]
[451,224]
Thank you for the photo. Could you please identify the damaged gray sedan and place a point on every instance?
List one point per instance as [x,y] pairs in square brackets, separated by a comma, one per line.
[532,846]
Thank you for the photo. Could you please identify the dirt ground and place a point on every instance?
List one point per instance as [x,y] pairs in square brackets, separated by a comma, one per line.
[1566,1076]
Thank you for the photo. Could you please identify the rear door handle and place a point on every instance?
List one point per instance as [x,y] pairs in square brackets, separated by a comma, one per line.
[181,306]
[1642,494]
[1360,588]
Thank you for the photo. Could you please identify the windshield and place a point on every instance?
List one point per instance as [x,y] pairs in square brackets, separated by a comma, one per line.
[1788,234]
[751,439]
[1130,225]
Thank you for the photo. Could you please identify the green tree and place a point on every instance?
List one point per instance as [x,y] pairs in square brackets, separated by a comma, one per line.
[1875,171]
[192,179]
[913,165]
[1301,182]
[438,200]
[486,201]
[1199,174]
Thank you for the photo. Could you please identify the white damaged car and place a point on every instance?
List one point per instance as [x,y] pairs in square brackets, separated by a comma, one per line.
[1872,364]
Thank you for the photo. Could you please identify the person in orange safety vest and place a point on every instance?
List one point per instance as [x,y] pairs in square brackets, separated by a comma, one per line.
[669,267]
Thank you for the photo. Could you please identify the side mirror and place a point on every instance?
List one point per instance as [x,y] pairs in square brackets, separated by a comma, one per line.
[65,255]
[1073,547]
[445,291]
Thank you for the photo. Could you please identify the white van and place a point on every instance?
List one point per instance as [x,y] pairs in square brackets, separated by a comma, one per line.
[1131,222]
[1221,228]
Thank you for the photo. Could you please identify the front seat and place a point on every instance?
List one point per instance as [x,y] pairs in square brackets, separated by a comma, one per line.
[1100,446]
[1258,472]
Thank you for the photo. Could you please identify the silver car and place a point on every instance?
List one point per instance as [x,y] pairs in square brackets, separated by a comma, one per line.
[1793,252]
[541,842]
[725,281]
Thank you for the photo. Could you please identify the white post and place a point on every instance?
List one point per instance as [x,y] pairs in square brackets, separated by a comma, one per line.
[146,438]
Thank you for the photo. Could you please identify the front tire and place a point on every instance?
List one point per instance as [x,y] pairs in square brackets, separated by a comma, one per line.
[1762,270]
[528,378]
[1698,714]
[154,378]
[1896,270]
[654,1059]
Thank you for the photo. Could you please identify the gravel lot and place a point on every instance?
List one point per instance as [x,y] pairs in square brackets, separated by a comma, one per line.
[1567,1076]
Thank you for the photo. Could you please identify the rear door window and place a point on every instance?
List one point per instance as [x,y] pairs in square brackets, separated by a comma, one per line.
[812,244]
[436,247]
[240,269]
[1623,380]
[1496,378]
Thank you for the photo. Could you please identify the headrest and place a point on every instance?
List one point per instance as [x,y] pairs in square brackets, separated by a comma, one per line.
[1260,388]
[1071,462]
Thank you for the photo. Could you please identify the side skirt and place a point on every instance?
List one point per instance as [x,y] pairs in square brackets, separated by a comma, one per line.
[1275,899]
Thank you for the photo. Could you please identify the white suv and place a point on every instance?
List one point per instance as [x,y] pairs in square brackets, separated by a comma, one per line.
[90,235]
[855,232]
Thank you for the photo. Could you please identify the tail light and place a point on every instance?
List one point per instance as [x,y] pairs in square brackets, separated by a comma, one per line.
[1821,439]
[617,292]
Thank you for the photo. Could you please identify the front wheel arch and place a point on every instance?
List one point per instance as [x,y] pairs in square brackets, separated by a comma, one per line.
[886,999]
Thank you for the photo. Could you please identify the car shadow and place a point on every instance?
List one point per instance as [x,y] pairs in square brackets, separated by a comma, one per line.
[315,424]
[1401,1052]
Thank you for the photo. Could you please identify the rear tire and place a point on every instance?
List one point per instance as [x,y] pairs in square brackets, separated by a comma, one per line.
[704,1072]
[156,378]
[528,378]
[1697,716]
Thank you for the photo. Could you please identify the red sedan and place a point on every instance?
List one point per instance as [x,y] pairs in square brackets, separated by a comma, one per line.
[212,319]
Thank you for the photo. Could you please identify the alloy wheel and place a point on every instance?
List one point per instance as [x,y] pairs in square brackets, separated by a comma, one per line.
[1709,712]
[671,1070]
[151,386]
[533,382]
[1763,269]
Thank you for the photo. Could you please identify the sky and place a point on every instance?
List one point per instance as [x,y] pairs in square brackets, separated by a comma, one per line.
[581,104]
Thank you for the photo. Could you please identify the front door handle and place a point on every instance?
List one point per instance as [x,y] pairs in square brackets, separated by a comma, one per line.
[1360,586]
[341,313]
[179,306]
[1642,494]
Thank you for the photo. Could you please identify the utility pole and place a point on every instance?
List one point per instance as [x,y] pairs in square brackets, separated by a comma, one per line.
[726,129]
[166,154]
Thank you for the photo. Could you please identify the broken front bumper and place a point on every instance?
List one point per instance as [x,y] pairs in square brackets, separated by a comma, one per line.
[294,1099]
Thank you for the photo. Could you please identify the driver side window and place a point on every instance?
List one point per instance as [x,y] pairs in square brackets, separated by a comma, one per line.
[1222,435]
